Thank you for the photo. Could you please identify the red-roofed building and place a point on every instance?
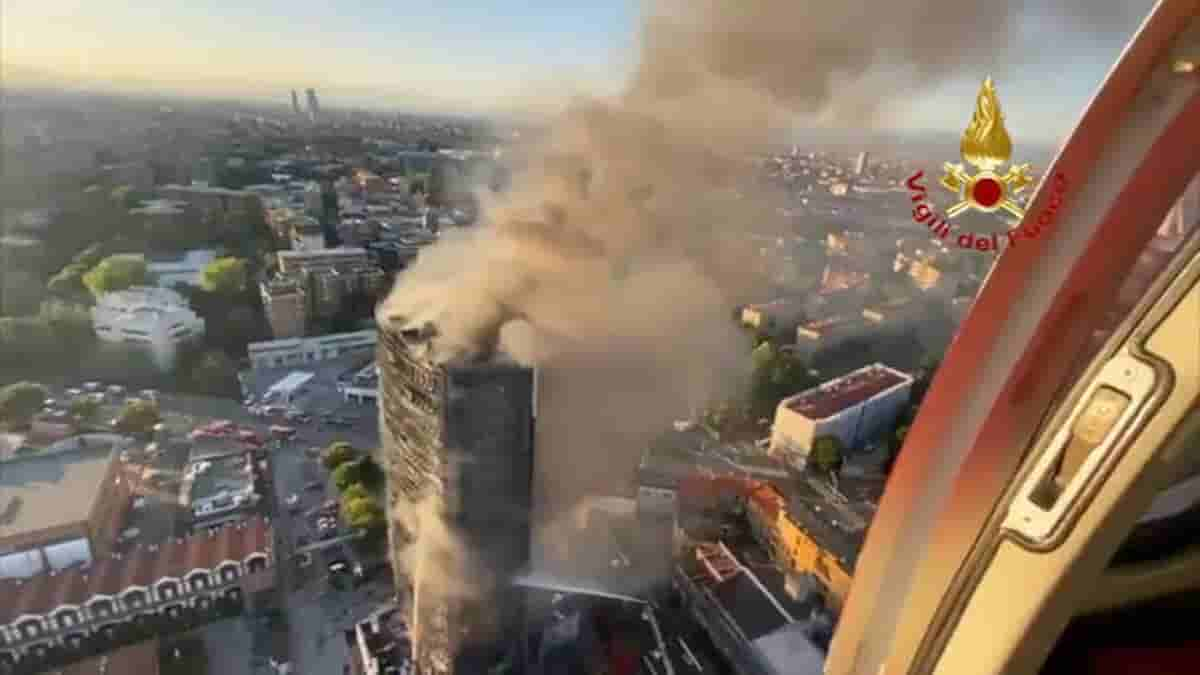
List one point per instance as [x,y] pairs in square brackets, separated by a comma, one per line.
[51,616]
[853,408]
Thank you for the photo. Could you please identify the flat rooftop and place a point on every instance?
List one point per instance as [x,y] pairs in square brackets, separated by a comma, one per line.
[849,390]
[224,479]
[836,518]
[50,490]
[691,451]
[818,327]
[422,344]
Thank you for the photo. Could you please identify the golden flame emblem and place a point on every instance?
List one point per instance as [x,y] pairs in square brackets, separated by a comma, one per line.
[987,146]
[986,143]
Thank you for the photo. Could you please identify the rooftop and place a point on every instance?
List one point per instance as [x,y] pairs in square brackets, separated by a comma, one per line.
[385,637]
[207,189]
[194,258]
[422,343]
[835,517]
[689,451]
[49,490]
[836,395]
[141,567]
[321,253]
[755,600]
[142,298]
[819,326]
[222,484]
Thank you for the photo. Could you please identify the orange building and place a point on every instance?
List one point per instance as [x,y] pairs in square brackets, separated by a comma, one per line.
[796,547]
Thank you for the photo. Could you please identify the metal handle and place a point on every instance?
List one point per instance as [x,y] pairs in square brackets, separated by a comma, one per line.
[1081,450]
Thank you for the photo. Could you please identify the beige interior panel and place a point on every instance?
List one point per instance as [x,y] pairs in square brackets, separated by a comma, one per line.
[1019,583]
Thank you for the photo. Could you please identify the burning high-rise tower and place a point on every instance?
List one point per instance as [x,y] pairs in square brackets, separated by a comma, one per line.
[458,446]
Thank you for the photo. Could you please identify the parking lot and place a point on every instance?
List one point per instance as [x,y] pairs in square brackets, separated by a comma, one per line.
[317,613]
[319,396]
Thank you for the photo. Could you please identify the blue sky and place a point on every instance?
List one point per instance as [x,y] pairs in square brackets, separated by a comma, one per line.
[449,53]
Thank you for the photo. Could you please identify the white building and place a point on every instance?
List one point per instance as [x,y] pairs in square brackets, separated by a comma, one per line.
[854,408]
[185,270]
[286,390]
[295,351]
[158,319]
[363,386]
[292,261]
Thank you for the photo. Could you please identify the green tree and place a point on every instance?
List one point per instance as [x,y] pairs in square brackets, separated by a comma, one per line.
[371,473]
[86,409]
[355,491]
[214,374]
[138,416]
[115,273]
[18,402]
[119,360]
[347,474]
[21,292]
[71,325]
[226,276]
[29,344]
[363,514]
[337,454]
[68,282]
[776,376]
[363,471]
[827,454]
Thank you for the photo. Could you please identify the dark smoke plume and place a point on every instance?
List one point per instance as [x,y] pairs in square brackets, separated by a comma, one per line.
[623,246]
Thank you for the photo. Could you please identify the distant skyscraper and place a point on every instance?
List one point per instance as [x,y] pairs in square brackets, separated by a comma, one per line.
[295,102]
[863,159]
[314,108]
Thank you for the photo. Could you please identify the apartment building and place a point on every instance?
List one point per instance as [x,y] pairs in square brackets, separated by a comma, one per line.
[285,305]
[853,408]
[329,279]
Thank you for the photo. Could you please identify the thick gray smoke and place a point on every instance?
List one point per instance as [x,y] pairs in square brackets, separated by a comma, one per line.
[623,248]
[851,62]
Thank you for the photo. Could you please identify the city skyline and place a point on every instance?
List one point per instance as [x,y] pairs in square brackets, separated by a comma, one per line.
[437,58]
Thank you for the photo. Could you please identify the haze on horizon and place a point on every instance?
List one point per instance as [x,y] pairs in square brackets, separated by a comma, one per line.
[481,56]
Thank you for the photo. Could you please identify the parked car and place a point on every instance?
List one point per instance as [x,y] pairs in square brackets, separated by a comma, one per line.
[314,485]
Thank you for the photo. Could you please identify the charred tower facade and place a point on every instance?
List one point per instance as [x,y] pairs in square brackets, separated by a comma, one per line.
[457,443]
